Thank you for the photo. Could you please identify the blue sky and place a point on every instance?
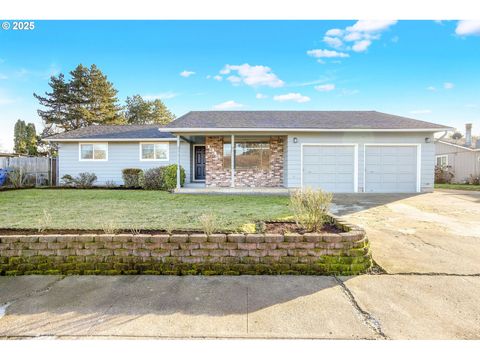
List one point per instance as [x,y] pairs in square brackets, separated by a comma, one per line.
[423,69]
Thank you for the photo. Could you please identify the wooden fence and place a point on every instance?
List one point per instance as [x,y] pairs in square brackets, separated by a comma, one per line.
[39,171]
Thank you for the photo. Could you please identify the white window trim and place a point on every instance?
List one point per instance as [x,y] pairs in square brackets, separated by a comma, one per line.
[93,144]
[441,156]
[355,160]
[153,143]
[419,162]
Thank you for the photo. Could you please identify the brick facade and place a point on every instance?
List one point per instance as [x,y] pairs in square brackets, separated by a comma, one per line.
[216,175]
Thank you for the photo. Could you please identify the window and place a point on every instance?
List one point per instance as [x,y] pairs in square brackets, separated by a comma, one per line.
[442,160]
[250,153]
[94,152]
[154,151]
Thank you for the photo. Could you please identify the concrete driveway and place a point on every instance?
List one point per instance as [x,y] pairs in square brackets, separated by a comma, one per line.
[429,246]
[437,232]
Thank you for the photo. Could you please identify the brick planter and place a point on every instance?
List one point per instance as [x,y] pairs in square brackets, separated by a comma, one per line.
[187,254]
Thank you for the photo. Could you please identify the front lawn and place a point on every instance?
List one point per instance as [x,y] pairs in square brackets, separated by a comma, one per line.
[458,187]
[141,209]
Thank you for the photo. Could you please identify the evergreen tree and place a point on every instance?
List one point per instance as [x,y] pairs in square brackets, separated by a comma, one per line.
[140,111]
[19,141]
[25,138]
[87,99]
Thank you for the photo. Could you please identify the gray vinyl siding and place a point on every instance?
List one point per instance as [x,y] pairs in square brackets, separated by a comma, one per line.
[361,138]
[463,162]
[121,155]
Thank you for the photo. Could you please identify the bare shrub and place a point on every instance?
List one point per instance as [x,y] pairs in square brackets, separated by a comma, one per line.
[16,178]
[44,222]
[443,174]
[109,227]
[310,208]
[208,222]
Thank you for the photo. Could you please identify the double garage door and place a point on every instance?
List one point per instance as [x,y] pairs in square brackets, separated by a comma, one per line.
[334,168]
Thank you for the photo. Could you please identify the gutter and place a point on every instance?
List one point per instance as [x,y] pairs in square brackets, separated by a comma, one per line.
[289,130]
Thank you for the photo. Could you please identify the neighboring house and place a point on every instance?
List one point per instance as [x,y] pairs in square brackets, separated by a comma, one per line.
[338,151]
[463,156]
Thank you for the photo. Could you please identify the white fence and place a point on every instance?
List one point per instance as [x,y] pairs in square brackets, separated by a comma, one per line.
[37,170]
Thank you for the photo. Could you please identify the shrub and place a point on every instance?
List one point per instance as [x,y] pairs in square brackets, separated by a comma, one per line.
[153,178]
[443,174]
[45,221]
[208,223]
[110,184]
[170,177]
[16,178]
[132,178]
[473,180]
[310,208]
[83,180]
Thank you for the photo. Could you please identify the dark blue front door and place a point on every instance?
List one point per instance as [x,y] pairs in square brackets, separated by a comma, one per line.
[199,162]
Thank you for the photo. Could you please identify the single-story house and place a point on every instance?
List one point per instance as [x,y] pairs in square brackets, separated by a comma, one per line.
[338,151]
[462,155]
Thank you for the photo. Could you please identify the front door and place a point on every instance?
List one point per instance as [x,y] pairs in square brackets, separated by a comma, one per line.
[199,162]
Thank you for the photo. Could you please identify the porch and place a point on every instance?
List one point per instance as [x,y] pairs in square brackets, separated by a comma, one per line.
[222,162]
[200,188]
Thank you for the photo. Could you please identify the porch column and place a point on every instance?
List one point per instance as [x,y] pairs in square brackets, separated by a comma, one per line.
[232,162]
[178,162]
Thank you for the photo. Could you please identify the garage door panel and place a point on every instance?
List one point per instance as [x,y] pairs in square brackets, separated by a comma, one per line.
[329,167]
[390,168]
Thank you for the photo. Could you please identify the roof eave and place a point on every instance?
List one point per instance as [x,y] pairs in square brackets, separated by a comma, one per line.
[110,140]
[285,130]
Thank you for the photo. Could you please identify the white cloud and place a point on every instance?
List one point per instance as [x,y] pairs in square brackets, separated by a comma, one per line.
[261,96]
[361,45]
[297,97]
[235,80]
[325,87]
[227,105]
[321,53]
[361,34]
[252,75]
[186,73]
[162,96]
[371,26]
[421,111]
[431,88]
[468,27]
[334,42]
[334,32]
[218,78]
[353,36]
[448,85]
[395,39]
[348,92]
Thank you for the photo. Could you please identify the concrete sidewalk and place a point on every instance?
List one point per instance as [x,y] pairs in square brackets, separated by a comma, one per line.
[362,307]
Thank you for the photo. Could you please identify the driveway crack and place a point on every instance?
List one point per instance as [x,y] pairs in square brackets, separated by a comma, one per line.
[368,319]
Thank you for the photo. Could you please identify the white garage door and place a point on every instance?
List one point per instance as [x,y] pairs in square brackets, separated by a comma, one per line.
[390,169]
[329,167]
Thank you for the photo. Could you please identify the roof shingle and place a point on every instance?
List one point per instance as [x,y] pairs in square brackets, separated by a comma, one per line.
[114,132]
[298,120]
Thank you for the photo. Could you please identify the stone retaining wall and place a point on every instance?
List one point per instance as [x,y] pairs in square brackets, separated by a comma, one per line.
[187,254]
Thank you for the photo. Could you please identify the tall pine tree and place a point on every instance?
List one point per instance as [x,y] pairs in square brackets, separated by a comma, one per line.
[87,99]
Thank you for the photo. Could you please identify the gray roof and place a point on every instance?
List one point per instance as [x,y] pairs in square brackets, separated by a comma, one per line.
[114,132]
[297,120]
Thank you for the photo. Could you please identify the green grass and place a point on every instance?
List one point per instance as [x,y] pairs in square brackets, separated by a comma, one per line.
[458,187]
[93,209]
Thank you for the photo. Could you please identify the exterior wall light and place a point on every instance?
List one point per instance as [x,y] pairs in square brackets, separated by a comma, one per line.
[428,140]
[295,140]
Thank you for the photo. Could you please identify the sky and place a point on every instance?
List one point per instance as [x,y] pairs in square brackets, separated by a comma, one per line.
[428,70]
